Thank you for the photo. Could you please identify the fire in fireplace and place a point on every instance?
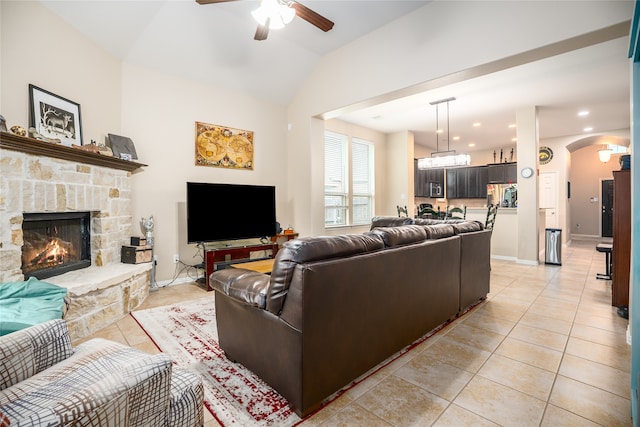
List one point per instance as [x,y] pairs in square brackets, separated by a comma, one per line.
[55,242]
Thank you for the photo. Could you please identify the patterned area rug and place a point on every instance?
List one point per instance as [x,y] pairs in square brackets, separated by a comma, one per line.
[233,394]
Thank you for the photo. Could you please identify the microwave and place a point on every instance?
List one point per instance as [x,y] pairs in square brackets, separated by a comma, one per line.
[435,189]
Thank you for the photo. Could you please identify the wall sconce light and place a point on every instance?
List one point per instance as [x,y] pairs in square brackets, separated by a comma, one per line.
[604,155]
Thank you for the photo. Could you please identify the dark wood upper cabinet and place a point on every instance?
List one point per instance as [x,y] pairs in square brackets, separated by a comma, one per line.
[503,173]
[467,182]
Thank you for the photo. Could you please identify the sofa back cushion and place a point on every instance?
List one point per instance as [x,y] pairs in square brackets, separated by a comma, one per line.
[399,235]
[309,249]
[439,231]
[389,221]
[467,227]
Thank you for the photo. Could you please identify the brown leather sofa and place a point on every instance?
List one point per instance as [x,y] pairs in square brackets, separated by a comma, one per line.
[475,254]
[336,306]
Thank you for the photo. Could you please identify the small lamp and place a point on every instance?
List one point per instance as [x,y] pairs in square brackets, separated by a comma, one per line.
[604,155]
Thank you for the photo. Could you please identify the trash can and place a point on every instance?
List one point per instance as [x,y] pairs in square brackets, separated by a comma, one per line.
[553,246]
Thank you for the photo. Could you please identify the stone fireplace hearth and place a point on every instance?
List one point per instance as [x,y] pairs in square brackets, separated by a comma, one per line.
[40,177]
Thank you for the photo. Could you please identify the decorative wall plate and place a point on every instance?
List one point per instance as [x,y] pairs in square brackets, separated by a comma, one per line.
[545,155]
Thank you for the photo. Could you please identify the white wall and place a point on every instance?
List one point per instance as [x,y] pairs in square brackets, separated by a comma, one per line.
[438,39]
[569,171]
[157,111]
[41,49]
[400,180]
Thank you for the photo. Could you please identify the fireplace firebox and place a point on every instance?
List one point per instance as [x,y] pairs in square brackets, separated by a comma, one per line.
[55,243]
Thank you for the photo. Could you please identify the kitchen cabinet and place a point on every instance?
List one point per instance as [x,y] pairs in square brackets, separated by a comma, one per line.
[467,182]
[503,173]
[452,184]
[423,180]
[419,180]
[477,182]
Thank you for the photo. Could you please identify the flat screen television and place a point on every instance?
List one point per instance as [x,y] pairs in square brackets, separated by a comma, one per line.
[219,212]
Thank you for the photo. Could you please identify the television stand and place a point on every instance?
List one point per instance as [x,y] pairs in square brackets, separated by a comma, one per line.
[216,259]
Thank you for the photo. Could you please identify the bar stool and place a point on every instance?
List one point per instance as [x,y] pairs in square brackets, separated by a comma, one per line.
[607,248]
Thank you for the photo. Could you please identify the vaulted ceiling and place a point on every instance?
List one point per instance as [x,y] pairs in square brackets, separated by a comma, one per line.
[214,44]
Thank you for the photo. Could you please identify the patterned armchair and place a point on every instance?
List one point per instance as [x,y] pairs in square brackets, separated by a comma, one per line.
[44,381]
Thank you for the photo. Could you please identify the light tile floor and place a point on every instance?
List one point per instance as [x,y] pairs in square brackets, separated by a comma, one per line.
[545,349]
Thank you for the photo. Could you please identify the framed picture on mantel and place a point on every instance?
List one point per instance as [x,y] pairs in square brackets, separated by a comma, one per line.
[54,117]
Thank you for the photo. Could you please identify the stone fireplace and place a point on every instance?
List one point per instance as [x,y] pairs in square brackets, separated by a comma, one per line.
[40,180]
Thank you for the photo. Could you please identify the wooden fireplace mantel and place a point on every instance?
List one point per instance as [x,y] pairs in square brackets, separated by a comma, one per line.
[10,141]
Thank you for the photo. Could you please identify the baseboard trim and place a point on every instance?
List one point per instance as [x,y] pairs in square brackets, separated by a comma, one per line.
[504,258]
[176,281]
[527,262]
[590,238]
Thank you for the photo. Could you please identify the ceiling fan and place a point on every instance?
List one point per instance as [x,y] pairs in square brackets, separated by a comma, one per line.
[276,13]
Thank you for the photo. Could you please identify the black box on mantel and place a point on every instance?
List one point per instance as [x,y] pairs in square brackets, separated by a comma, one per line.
[138,241]
[135,254]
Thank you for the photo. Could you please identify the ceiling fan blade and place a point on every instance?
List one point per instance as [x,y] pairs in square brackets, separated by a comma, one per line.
[213,1]
[262,31]
[312,17]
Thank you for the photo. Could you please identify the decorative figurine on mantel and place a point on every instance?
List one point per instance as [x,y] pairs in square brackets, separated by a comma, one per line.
[18,130]
[95,148]
[3,124]
[34,134]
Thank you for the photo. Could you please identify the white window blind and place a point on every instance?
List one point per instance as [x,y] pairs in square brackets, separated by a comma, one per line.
[347,201]
[362,179]
[335,179]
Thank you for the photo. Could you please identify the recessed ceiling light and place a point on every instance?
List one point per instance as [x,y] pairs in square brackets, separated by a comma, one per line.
[583,113]
[476,124]
[514,139]
[512,125]
[456,138]
[588,129]
[439,131]
[472,144]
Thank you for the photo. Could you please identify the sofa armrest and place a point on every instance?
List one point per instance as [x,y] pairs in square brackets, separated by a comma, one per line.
[29,351]
[242,285]
[102,383]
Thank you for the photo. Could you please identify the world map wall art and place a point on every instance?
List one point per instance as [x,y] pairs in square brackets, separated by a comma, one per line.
[224,147]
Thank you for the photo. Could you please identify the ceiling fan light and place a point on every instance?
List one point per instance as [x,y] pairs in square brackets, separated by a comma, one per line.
[277,13]
[260,15]
[287,13]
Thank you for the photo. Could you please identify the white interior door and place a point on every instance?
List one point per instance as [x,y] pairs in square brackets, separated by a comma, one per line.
[548,197]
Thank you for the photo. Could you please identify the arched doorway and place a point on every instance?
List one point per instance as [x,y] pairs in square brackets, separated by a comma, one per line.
[590,210]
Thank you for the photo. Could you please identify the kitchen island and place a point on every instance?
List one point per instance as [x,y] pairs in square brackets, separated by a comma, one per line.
[504,241]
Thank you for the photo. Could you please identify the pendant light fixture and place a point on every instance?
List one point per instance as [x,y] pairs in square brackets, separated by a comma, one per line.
[447,157]
[604,154]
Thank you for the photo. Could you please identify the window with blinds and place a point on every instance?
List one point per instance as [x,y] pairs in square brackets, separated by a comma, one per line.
[348,180]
